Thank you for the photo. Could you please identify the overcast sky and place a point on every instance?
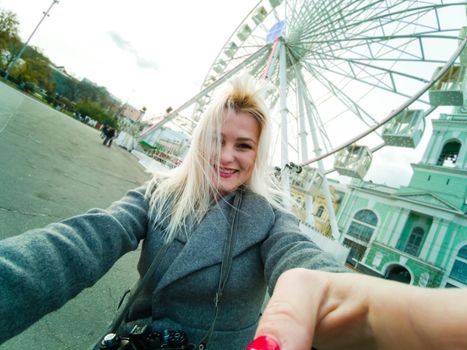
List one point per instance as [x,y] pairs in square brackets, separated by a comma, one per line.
[151,53]
[155,53]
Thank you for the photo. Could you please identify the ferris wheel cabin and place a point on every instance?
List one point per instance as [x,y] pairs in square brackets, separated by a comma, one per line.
[448,90]
[353,161]
[306,180]
[406,129]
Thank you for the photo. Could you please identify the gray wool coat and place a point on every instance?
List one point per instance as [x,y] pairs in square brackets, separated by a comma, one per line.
[42,269]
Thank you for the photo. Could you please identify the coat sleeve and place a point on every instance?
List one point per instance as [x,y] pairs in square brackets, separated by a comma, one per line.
[286,247]
[41,269]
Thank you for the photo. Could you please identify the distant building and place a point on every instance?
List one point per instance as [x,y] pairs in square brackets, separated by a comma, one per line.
[165,145]
[415,234]
[65,83]
[172,142]
[306,189]
[321,216]
[132,113]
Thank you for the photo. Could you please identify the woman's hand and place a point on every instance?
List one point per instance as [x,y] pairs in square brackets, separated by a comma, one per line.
[352,311]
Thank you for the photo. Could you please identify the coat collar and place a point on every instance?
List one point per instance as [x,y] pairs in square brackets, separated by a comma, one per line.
[205,246]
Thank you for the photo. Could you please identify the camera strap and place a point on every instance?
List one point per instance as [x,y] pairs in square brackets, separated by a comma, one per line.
[122,312]
[226,265]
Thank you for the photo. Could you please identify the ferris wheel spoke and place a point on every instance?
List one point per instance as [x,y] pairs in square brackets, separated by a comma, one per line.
[378,70]
[326,17]
[375,79]
[399,41]
[305,98]
[376,83]
[206,91]
[344,98]
[410,16]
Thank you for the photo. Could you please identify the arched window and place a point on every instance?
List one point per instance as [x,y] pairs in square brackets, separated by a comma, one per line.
[320,211]
[459,269]
[449,154]
[366,216]
[415,241]
[363,225]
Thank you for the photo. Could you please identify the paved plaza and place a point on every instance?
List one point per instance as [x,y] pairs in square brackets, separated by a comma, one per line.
[53,167]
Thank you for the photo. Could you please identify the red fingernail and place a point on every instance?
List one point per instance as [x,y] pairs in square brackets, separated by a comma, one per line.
[264,343]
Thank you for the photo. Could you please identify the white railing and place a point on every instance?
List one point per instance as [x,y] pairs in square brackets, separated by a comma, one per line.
[337,250]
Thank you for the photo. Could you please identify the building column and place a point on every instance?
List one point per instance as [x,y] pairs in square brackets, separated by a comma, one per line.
[391,222]
[309,209]
[439,241]
[462,157]
[435,149]
[430,238]
[397,232]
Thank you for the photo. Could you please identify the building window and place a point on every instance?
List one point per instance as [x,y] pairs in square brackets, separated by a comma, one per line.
[459,269]
[415,241]
[320,211]
[363,225]
[449,154]
[358,235]
[366,216]
[356,253]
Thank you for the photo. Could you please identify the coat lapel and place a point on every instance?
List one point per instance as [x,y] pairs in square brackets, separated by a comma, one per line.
[205,246]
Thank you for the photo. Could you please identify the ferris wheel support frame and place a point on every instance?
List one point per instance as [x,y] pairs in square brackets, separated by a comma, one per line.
[284,140]
[283,112]
[317,151]
[304,153]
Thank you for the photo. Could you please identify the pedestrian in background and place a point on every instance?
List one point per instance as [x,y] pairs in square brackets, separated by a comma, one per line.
[104,130]
[109,135]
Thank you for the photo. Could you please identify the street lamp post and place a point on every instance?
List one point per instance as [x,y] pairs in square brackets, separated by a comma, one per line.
[18,56]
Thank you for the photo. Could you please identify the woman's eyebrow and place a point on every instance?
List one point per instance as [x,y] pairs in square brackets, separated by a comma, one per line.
[243,139]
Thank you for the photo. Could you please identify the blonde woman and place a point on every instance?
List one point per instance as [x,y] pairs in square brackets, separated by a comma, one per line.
[210,289]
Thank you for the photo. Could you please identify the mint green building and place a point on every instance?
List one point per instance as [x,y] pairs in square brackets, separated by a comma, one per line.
[415,234]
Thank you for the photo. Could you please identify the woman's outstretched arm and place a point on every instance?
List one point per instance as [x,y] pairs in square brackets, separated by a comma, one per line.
[40,270]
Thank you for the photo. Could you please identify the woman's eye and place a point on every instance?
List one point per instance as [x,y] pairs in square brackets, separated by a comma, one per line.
[244,146]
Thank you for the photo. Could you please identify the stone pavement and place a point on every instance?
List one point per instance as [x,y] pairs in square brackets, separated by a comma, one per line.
[53,167]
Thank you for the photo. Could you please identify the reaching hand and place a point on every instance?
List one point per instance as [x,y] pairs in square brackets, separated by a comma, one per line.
[352,311]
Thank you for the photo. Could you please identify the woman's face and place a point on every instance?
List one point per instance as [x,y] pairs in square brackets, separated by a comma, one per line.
[240,137]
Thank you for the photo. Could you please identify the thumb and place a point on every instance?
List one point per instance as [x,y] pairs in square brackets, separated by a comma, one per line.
[290,318]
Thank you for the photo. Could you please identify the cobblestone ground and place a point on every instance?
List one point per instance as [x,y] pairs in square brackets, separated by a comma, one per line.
[53,167]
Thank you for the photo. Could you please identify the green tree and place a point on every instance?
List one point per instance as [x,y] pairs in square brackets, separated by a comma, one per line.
[87,90]
[35,70]
[95,111]
[8,29]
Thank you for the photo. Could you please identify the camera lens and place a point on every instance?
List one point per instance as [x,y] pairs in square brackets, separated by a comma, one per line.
[111,341]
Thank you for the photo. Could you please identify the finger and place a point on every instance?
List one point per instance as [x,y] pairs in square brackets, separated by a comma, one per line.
[291,314]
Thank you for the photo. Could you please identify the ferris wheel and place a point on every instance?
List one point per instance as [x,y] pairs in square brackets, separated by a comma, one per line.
[351,76]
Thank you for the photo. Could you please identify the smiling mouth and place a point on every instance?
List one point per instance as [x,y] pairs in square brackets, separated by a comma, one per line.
[226,172]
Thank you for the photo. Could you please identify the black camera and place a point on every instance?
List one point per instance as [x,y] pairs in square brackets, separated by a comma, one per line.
[142,338]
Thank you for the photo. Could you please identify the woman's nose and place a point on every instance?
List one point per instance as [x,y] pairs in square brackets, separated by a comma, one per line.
[227,154]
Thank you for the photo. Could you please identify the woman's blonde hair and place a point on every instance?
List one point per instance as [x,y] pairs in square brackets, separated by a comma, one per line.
[181,197]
